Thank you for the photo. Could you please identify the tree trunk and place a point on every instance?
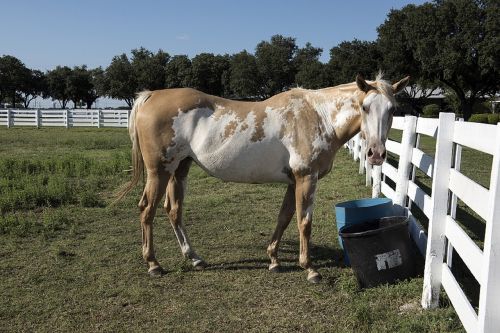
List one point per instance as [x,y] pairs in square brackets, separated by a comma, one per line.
[467,108]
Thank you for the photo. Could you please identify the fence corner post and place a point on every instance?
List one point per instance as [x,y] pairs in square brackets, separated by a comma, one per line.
[434,255]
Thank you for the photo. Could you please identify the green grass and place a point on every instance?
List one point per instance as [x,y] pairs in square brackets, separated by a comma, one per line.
[70,262]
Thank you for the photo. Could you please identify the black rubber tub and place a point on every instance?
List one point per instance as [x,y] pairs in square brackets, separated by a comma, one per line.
[380,250]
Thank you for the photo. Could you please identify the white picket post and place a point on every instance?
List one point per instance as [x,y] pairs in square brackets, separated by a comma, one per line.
[99,118]
[368,173]
[8,118]
[414,168]
[37,118]
[489,296]
[66,118]
[377,179]
[355,155]
[404,167]
[362,156]
[439,209]
[453,204]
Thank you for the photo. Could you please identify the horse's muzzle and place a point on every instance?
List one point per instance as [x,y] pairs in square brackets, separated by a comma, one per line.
[376,154]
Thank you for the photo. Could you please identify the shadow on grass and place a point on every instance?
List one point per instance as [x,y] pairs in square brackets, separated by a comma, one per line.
[321,257]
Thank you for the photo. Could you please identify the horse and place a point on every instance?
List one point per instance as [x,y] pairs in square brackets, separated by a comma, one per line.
[290,138]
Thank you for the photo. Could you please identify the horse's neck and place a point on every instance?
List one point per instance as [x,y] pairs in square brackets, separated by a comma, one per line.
[339,111]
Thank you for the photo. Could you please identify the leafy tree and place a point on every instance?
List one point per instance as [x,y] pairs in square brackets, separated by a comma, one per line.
[13,75]
[34,85]
[149,68]
[78,84]
[456,43]
[311,72]
[351,58]
[121,81]
[208,72]
[244,78]
[57,84]
[275,63]
[178,72]
[399,61]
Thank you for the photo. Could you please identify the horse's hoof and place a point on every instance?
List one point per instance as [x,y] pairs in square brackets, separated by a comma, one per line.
[200,265]
[314,277]
[157,272]
[274,268]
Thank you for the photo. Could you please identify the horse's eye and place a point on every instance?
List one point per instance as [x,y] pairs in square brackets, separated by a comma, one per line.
[365,108]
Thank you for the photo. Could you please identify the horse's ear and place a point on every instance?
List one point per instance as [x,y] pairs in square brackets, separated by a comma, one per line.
[362,85]
[400,85]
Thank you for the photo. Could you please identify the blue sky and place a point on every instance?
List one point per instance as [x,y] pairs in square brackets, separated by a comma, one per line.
[44,34]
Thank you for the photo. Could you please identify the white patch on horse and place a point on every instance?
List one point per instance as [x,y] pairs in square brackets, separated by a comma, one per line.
[236,157]
[344,118]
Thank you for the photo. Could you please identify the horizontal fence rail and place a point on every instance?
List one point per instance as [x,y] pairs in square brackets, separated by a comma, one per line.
[64,118]
[448,184]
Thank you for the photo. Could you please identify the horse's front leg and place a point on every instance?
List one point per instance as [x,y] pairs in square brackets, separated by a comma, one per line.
[305,187]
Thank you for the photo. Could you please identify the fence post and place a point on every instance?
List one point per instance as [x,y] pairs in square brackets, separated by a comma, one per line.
[38,118]
[362,156]
[404,167]
[66,118]
[439,208]
[8,118]
[356,147]
[453,205]
[368,174]
[99,118]
[377,180]
[489,296]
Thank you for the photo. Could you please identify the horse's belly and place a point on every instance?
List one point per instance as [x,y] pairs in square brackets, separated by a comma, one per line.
[261,162]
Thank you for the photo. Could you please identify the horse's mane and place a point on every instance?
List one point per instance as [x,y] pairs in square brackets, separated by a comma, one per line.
[385,87]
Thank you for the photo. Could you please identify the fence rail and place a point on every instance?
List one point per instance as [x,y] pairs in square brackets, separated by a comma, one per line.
[444,233]
[64,118]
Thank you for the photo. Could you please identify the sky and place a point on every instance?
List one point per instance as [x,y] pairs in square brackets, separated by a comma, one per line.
[44,34]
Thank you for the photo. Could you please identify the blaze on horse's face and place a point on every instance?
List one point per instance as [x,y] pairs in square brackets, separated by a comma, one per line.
[377,109]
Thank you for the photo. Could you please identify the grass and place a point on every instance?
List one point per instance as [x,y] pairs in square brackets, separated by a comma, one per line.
[70,262]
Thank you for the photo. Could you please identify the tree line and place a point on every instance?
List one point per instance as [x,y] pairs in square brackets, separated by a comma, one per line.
[447,44]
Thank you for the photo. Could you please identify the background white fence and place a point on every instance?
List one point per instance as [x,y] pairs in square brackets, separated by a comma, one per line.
[65,118]
[448,184]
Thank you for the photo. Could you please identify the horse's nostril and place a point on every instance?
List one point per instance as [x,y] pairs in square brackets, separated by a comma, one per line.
[383,154]
[370,152]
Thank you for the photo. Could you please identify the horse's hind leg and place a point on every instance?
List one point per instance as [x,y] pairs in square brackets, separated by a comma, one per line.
[173,205]
[284,218]
[153,192]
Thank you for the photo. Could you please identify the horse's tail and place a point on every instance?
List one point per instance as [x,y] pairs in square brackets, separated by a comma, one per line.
[137,161]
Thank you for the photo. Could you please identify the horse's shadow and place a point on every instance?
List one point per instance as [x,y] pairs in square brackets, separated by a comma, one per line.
[321,257]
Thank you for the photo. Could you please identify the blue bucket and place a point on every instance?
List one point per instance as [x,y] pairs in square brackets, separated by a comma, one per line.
[358,211]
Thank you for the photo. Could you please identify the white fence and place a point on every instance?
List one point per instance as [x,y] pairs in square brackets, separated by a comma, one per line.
[448,183]
[65,118]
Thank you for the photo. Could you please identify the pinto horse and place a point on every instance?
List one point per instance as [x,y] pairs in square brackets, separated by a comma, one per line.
[290,138]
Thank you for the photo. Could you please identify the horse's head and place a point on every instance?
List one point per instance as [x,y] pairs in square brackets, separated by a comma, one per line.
[377,104]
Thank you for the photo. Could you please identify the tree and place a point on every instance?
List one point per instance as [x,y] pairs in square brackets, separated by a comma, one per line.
[311,73]
[121,81]
[208,73]
[351,58]
[149,68]
[275,64]
[57,84]
[13,75]
[244,77]
[178,72]
[455,43]
[399,61]
[34,85]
